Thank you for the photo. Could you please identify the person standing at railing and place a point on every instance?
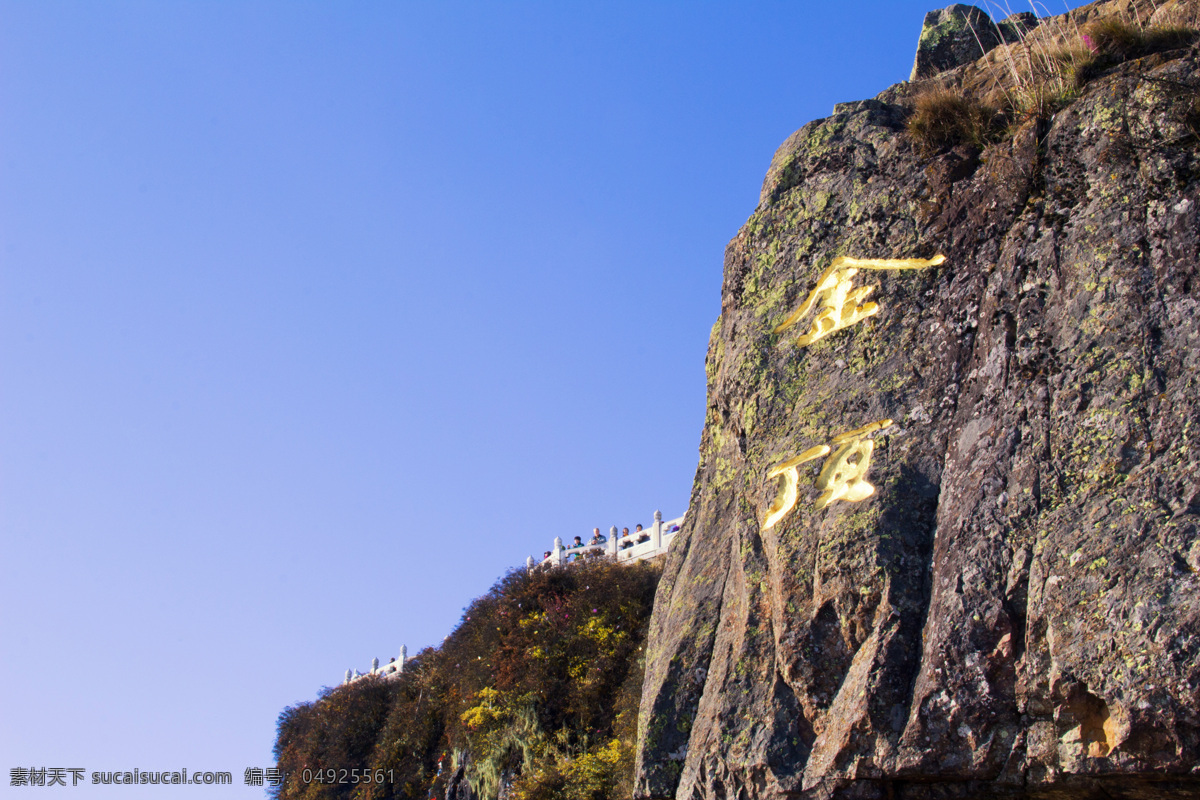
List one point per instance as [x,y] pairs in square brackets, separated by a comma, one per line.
[597,539]
[642,536]
[626,542]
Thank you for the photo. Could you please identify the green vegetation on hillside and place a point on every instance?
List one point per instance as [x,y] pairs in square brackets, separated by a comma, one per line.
[536,691]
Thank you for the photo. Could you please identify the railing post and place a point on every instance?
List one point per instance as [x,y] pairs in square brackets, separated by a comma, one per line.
[347,678]
[612,541]
[375,665]
[529,564]
[403,657]
[656,532]
[558,551]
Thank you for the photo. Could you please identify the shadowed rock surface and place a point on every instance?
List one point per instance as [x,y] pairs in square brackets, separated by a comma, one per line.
[1016,610]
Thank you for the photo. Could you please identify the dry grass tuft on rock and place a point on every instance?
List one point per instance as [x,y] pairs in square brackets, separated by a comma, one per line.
[1110,41]
[1113,37]
[943,119]
[1118,38]
[1045,70]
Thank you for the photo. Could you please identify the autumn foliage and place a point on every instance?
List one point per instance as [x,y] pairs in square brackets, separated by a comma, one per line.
[535,693]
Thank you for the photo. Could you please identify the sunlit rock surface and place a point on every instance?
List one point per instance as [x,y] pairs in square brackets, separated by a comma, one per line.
[959,34]
[1015,611]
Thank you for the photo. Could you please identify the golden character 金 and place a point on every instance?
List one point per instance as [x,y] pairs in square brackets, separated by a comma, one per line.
[839,300]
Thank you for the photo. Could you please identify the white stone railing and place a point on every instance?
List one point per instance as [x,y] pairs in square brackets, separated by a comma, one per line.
[658,538]
[392,669]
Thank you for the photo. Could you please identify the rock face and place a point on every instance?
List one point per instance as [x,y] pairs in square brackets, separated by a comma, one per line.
[959,34]
[458,787]
[1015,611]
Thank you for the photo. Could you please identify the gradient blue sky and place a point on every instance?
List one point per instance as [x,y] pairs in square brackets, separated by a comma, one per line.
[316,318]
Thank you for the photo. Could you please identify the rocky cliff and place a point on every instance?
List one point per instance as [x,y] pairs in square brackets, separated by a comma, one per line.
[944,539]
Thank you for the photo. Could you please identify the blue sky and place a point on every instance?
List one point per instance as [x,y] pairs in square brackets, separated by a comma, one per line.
[316,318]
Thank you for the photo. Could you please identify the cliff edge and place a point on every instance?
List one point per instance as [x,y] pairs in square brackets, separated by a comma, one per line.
[944,538]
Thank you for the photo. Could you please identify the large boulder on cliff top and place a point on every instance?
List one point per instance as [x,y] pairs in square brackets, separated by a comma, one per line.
[959,34]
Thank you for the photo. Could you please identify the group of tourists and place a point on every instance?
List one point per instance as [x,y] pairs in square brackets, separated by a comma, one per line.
[626,539]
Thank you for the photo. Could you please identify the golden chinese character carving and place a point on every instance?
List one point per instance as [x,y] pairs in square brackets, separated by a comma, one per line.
[788,491]
[843,476]
[842,480]
[839,300]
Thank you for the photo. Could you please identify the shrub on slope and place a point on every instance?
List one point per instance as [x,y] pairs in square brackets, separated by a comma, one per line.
[536,690]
